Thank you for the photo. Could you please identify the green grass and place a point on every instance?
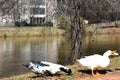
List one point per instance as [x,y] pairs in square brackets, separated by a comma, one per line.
[77,69]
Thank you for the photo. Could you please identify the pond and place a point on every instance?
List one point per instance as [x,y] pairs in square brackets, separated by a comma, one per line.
[98,44]
[14,52]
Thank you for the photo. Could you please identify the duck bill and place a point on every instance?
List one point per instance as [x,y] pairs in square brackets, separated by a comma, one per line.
[26,65]
[116,54]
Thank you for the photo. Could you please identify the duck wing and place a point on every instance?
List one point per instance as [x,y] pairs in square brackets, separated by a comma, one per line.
[89,60]
[57,67]
[39,63]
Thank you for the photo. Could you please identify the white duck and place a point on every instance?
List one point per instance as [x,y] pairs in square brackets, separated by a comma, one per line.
[44,67]
[94,61]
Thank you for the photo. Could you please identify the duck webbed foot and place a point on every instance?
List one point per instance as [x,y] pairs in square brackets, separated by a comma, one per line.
[97,72]
[93,74]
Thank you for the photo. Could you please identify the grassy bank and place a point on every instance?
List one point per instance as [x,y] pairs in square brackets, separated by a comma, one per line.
[79,72]
[49,31]
[30,31]
[96,30]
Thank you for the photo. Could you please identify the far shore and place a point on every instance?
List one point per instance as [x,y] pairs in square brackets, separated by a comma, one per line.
[30,31]
[50,31]
[96,30]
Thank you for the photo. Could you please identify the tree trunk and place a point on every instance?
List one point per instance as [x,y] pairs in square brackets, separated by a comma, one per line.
[76,32]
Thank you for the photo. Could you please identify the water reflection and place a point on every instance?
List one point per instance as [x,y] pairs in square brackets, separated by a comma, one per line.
[16,51]
[100,43]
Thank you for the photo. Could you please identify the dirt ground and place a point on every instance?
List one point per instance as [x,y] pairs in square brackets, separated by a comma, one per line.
[107,76]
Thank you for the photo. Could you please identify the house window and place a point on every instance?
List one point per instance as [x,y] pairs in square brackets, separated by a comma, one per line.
[37,20]
[37,11]
[37,2]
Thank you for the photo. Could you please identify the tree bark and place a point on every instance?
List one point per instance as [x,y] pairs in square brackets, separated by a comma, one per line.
[76,31]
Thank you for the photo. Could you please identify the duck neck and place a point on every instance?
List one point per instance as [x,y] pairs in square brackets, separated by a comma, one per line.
[106,55]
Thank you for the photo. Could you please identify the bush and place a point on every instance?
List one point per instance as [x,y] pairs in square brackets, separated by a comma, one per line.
[50,24]
[22,23]
[64,23]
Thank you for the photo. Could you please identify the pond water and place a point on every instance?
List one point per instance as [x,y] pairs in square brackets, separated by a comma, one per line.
[98,44]
[17,51]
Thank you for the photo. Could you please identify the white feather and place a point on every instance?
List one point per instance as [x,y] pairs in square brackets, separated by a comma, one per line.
[44,66]
[96,60]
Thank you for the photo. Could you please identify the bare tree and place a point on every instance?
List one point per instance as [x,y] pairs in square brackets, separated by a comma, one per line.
[72,9]
[93,10]
[76,31]
[9,8]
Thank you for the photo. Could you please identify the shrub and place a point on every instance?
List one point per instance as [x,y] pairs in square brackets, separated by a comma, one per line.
[21,23]
[48,24]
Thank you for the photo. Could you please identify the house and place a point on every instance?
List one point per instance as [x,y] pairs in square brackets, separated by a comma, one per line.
[31,11]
